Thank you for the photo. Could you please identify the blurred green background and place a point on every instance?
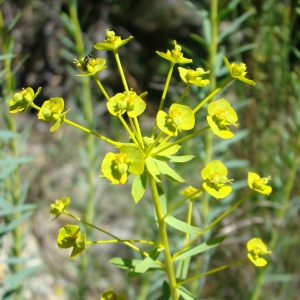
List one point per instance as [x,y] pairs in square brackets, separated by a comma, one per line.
[267,39]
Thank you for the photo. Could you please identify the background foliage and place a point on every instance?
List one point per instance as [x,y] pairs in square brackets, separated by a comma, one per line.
[44,52]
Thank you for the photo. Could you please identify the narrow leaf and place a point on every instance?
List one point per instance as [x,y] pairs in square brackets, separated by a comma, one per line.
[201,248]
[15,209]
[145,264]
[165,169]
[12,225]
[186,294]
[7,134]
[166,291]
[138,187]
[180,159]
[170,151]
[128,264]
[152,168]
[182,226]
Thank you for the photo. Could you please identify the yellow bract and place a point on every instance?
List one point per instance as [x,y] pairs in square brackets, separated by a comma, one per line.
[215,176]
[259,184]
[220,115]
[180,117]
[256,249]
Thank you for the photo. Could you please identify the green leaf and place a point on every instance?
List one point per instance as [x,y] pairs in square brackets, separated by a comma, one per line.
[145,264]
[5,56]
[170,151]
[152,168]
[5,204]
[234,25]
[128,264]
[280,278]
[14,209]
[183,268]
[7,134]
[138,187]
[186,294]
[12,225]
[16,260]
[165,169]
[166,291]
[201,248]
[182,226]
[198,39]
[180,159]
[16,160]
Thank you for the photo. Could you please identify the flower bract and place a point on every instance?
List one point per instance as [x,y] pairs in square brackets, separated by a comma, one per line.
[193,77]
[70,236]
[90,65]
[59,206]
[22,100]
[117,167]
[220,115]
[176,56]
[52,110]
[112,42]
[180,117]
[215,176]
[256,249]
[238,71]
[190,191]
[259,184]
[111,295]
[128,102]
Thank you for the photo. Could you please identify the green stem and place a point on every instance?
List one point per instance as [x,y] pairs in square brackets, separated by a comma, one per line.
[184,92]
[123,241]
[149,152]
[213,224]
[280,216]
[116,144]
[163,97]
[209,97]
[163,237]
[182,201]
[13,186]
[101,87]
[181,140]
[185,262]
[139,133]
[136,134]
[113,236]
[121,71]
[128,130]
[213,271]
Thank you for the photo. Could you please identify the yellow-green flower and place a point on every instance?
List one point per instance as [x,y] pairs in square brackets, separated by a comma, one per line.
[176,56]
[256,249]
[90,65]
[52,110]
[259,184]
[215,176]
[22,100]
[59,206]
[112,42]
[128,102]
[190,191]
[238,71]
[220,115]
[117,167]
[193,77]
[111,295]
[70,236]
[180,117]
